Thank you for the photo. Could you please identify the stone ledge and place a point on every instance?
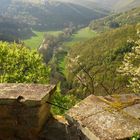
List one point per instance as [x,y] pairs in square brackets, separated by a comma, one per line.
[29,91]
[107,118]
[23,110]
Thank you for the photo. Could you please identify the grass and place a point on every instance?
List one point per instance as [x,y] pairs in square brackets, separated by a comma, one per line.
[62,61]
[35,41]
[54,33]
[82,35]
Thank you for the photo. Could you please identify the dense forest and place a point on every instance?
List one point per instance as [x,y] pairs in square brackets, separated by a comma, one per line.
[13,30]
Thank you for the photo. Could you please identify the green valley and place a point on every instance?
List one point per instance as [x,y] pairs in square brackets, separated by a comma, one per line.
[80,36]
[83,44]
[57,53]
[36,40]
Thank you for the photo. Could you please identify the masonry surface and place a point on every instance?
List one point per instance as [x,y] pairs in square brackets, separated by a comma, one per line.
[115,117]
[25,115]
[23,110]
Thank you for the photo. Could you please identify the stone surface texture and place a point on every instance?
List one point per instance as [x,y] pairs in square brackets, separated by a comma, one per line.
[114,117]
[23,110]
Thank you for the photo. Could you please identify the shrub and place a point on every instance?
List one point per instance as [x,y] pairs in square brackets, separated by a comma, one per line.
[131,67]
[19,64]
[62,102]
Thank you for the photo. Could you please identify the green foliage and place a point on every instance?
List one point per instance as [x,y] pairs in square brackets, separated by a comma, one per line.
[65,101]
[61,62]
[100,57]
[118,54]
[80,36]
[117,20]
[136,136]
[131,67]
[13,30]
[114,25]
[19,64]
[35,41]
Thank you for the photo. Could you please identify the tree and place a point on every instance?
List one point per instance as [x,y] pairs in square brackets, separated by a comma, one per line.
[131,66]
[84,76]
[114,24]
[19,64]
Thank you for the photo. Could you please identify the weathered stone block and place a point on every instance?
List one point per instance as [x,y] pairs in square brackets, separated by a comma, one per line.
[107,118]
[23,110]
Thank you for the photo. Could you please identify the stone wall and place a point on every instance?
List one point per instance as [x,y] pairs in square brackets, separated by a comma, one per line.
[23,110]
[115,117]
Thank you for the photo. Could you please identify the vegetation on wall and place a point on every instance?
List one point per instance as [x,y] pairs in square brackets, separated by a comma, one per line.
[136,136]
[62,102]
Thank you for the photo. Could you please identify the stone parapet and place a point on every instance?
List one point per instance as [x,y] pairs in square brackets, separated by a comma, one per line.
[115,117]
[23,110]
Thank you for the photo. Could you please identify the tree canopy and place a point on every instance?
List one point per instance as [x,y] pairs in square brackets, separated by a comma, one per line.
[131,66]
[19,64]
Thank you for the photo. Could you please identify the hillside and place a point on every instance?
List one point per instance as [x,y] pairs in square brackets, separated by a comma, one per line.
[126,5]
[118,5]
[99,58]
[112,5]
[117,20]
[49,14]
[42,15]
[13,30]
[91,4]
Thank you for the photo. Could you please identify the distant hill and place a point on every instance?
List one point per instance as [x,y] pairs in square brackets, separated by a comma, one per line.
[91,4]
[124,5]
[47,14]
[116,20]
[13,30]
[113,5]
[118,5]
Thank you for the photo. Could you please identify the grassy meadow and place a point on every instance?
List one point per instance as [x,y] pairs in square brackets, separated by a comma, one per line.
[80,36]
[36,40]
